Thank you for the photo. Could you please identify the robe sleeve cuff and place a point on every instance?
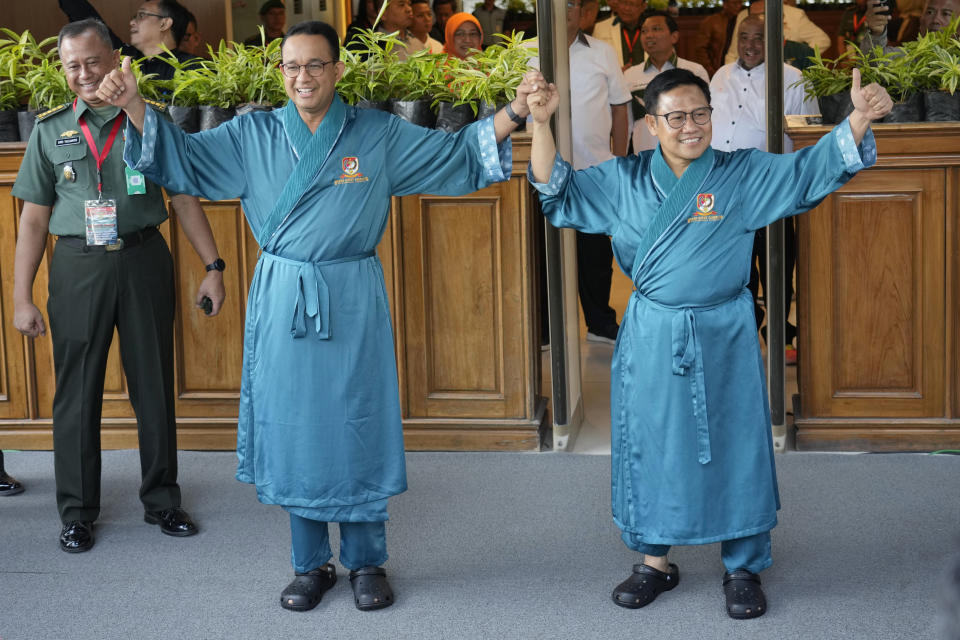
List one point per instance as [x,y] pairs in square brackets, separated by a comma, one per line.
[856,157]
[497,158]
[558,177]
[138,150]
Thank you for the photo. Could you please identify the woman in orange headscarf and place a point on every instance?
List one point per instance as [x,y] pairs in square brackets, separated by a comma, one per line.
[462,33]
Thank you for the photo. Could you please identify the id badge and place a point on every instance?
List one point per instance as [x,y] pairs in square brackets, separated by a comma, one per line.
[136,185]
[101,220]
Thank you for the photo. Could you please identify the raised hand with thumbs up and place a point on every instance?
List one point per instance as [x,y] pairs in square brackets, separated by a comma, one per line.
[119,88]
[870,103]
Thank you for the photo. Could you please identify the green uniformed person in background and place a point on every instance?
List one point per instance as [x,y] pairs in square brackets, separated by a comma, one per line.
[110,268]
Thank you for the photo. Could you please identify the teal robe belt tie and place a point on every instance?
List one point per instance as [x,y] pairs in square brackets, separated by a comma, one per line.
[313,295]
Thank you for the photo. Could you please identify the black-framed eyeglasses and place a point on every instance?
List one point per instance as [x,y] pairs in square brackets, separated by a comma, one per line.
[314,69]
[676,119]
[140,15]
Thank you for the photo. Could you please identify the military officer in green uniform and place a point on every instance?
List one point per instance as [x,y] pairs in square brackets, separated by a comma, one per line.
[110,268]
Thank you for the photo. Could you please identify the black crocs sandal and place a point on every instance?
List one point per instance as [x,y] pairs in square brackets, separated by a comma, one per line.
[744,595]
[370,588]
[644,585]
[307,589]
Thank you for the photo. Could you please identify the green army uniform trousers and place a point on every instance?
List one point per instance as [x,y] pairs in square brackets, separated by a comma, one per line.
[91,292]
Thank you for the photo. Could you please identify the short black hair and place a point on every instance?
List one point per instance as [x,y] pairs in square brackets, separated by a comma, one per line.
[191,19]
[315,28]
[80,27]
[670,80]
[671,23]
[179,14]
[437,3]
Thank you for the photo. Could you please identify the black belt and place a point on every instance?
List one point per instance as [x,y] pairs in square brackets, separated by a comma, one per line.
[125,241]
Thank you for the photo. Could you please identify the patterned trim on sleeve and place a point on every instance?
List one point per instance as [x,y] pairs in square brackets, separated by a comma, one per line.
[856,158]
[497,159]
[558,177]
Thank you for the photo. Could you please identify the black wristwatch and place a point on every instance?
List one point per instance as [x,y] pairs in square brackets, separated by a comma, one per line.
[513,114]
[217,265]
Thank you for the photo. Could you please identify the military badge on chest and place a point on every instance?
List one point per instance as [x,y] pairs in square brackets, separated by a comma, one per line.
[351,171]
[705,209]
[68,138]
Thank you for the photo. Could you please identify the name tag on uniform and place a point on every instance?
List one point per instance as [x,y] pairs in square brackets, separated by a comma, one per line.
[101,220]
[136,183]
[65,141]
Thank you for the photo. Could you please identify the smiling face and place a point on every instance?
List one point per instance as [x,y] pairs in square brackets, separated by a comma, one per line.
[680,146]
[466,37]
[657,39]
[312,96]
[750,43]
[86,59]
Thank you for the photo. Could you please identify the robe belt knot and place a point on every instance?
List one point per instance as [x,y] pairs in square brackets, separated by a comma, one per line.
[313,295]
[688,361]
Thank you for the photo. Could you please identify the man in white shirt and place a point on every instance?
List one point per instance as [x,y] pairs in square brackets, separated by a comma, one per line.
[421,25]
[739,97]
[796,26]
[658,35]
[600,123]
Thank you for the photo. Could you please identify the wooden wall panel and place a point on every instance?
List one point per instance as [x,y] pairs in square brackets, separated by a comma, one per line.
[14,349]
[876,257]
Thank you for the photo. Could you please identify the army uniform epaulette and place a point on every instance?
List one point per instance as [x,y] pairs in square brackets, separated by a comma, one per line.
[159,106]
[49,112]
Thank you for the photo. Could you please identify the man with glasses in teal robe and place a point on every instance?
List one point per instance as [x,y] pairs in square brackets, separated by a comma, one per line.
[692,452]
[320,431]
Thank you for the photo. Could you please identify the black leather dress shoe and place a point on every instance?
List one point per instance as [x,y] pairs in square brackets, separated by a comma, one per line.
[76,536]
[9,486]
[173,522]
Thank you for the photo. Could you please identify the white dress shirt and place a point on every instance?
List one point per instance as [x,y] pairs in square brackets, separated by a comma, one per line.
[739,99]
[596,84]
[796,26]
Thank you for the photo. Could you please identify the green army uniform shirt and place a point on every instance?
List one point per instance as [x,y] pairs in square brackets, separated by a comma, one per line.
[58,148]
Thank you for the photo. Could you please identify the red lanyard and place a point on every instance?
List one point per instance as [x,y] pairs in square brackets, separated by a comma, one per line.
[93,145]
[627,41]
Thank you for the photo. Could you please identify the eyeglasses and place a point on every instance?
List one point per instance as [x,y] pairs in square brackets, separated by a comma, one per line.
[139,16]
[676,119]
[467,34]
[314,69]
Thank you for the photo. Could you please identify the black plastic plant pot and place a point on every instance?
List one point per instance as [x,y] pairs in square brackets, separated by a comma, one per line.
[415,111]
[940,106]
[834,108]
[250,107]
[382,105]
[212,117]
[187,118]
[9,126]
[486,109]
[452,118]
[26,121]
[910,110]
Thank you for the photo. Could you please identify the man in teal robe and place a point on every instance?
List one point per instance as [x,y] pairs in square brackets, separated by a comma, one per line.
[692,454]
[320,431]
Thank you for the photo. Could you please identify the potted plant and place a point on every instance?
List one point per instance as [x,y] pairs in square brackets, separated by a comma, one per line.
[829,82]
[895,71]
[941,65]
[259,77]
[371,71]
[23,55]
[501,68]
[9,94]
[410,87]
[451,93]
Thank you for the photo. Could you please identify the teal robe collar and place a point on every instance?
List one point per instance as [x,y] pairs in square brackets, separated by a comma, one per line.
[678,192]
[312,152]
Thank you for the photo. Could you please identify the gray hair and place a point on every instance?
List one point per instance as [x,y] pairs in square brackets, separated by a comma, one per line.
[80,27]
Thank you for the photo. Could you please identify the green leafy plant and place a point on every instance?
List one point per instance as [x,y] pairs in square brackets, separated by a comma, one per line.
[48,85]
[20,56]
[825,77]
